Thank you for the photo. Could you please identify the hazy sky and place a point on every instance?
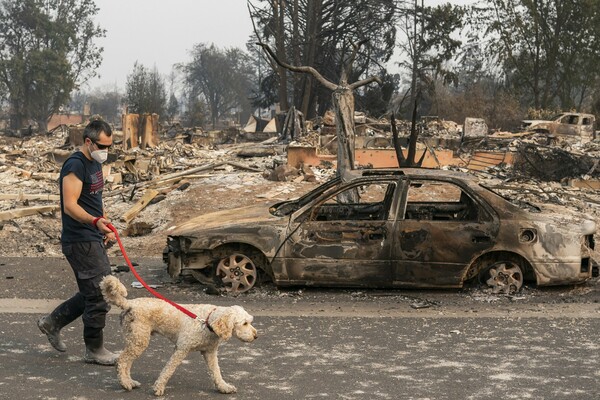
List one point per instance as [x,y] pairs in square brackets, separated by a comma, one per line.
[162,33]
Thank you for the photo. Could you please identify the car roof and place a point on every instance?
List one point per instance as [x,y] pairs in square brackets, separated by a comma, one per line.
[408,172]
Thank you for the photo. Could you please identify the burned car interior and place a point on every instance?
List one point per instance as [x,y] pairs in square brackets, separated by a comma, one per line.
[373,204]
[439,201]
[427,200]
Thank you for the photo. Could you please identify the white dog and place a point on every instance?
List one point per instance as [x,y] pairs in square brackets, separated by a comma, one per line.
[144,316]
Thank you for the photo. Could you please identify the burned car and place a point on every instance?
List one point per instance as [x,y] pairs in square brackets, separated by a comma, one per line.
[409,228]
[565,124]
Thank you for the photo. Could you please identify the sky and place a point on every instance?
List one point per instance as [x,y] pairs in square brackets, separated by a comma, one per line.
[162,33]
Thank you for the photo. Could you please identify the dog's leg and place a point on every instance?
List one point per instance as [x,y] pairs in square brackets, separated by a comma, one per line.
[212,362]
[168,370]
[136,341]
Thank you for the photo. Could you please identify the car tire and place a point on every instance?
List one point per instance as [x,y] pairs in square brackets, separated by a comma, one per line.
[236,272]
[503,277]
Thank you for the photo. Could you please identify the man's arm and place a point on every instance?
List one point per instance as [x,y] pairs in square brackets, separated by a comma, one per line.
[71,188]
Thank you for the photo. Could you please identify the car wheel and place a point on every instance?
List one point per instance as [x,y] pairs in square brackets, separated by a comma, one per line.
[237,272]
[503,277]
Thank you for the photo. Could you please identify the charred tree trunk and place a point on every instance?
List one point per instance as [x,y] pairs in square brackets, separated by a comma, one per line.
[42,125]
[414,135]
[396,139]
[16,116]
[296,54]
[409,160]
[314,10]
[293,125]
[343,104]
[279,16]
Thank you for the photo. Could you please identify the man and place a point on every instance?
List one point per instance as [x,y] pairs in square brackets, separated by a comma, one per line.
[84,237]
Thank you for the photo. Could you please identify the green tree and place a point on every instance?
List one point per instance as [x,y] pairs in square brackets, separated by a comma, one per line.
[107,103]
[173,103]
[429,44]
[146,91]
[46,50]
[548,50]
[375,99]
[173,107]
[221,78]
[195,110]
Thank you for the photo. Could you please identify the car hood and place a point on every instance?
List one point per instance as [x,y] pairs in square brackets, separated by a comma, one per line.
[255,215]
[534,121]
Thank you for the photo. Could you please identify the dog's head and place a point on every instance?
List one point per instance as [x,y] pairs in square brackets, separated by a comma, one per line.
[234,321]
[111,287]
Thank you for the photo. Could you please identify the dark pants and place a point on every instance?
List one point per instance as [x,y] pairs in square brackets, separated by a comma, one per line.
[90,264]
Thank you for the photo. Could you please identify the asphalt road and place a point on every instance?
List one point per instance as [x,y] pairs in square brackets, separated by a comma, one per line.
[342,344]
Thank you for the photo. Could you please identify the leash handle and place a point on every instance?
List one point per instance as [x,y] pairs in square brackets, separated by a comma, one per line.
[154,292]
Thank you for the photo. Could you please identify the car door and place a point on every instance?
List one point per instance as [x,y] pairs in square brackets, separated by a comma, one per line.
[440,229]
[569,125]
[347,244]
[586,130]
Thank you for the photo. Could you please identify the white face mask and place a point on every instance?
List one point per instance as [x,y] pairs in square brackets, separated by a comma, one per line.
[100,155]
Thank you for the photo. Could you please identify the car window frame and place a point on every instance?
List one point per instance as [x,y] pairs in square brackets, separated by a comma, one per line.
[488,214]
[304,213]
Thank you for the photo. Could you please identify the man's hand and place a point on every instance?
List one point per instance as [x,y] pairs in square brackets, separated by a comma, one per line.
[109,236]
[102,225]
[109,239]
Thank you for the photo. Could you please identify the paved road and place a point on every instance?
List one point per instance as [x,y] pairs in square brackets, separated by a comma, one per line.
[320,344]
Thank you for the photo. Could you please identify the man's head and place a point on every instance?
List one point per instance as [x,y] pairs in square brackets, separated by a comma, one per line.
[97,138]
[93,130]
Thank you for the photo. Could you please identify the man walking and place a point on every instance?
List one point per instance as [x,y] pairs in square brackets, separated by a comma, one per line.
[84,237]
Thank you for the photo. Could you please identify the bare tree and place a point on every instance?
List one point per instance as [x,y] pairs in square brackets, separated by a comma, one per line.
[343,104]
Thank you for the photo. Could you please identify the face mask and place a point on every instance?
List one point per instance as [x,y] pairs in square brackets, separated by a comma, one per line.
[100,155]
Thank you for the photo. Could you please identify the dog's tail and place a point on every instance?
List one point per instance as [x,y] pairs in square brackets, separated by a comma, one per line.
[114,292]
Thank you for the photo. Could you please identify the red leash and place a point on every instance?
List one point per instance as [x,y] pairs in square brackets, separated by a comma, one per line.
[154,292]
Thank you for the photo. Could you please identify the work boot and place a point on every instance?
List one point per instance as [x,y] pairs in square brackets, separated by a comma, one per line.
[63,315]
[96,353]
[50,328]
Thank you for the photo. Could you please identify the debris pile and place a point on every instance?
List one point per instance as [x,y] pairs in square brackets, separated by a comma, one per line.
[146,190]
[556,164]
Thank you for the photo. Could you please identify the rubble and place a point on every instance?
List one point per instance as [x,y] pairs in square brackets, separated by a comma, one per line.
[554,163]
[146,189]
[475,127]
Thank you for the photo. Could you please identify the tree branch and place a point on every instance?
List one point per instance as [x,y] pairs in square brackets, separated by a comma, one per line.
[355,48]
[268,60]
[364,82]
[304,69]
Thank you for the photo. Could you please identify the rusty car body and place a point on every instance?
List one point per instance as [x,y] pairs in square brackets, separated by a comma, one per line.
[565,124]
[408,228]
